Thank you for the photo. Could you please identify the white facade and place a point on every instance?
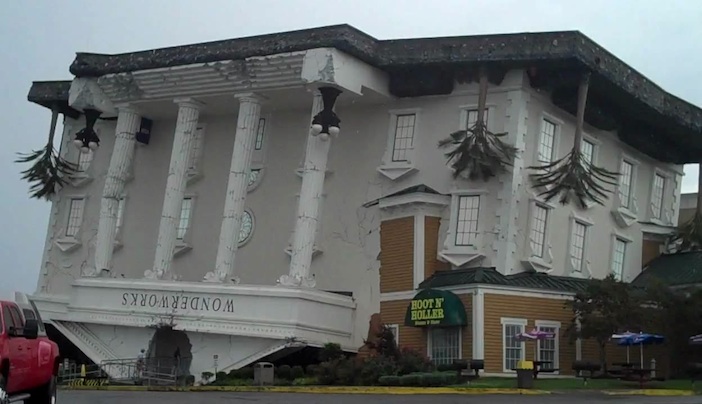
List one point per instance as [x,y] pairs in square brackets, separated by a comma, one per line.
[371,158]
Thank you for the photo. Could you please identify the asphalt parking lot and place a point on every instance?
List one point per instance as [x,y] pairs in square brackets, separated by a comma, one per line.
[109,397]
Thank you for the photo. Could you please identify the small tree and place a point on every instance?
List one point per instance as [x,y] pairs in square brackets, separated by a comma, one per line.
[384,343]
[605,307]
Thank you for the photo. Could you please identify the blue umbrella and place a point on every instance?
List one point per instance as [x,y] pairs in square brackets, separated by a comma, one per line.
[641,339]
[620,337]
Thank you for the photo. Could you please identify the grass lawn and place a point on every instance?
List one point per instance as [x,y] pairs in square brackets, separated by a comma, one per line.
[577,384]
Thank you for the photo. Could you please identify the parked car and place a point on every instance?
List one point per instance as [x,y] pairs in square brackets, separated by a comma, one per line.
[28,358]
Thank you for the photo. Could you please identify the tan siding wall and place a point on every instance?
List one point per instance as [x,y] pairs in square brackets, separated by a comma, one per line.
[531,309]
[416,337]
[410,337]
[649,251]
[431,240]
[397,255]
[467,333]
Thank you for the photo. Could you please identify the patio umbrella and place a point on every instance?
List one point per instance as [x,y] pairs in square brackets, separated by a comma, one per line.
[535,335]
[696,339]
[624,335]
[641,339]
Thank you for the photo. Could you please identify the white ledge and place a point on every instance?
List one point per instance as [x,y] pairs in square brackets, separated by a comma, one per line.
[396,171]
[537,264]
[181,247]
[624,217]
[67,244]
[460,257]
[79,180]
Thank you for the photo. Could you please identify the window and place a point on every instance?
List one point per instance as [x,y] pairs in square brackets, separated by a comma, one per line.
[84,160]
[618,257]
[75,217]
[626,170]
[467,221]
[395,329]
[587,148]
[473,117]
[404,136]
[258,144]
[186,210]
[548,348]
[577,245]
[546,142]
[513,349]
[7,318]
[445,345]
[196,150]
[17,317]
[246,227]
[538,230]
[657,195]
[120,215]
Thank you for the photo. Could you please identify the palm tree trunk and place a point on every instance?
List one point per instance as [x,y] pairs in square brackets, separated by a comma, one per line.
[54,121]
[580,117]
[482,95]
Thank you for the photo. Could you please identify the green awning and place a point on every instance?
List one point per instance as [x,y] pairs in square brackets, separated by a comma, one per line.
[436,308]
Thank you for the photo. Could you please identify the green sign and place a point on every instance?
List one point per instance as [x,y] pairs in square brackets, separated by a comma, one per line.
[439,308]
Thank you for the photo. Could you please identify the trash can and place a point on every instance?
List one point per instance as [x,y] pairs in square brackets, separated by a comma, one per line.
[263,373]
[525,379]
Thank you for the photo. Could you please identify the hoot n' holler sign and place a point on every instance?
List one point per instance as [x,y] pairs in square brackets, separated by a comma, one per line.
[436,308]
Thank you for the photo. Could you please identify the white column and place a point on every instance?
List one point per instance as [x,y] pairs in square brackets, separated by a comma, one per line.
[246,130]
[315,167]
[188,114]
[478,324]
[128,121]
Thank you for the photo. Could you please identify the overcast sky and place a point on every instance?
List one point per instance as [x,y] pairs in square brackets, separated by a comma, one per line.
[39,38]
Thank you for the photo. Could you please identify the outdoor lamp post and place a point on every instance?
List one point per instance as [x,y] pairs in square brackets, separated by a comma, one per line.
[326,122]
[86,139]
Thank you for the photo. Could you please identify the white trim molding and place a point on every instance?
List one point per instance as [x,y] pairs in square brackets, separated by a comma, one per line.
[457,254]
[68,243]
[666,214]
[504,321]
[557,345]
[625,213]
[185,244]
[596,143]
[532,260]
[558,126]
[419,248]
[584,270]
[396,332]
[390,168]
[412,204]
[627,256]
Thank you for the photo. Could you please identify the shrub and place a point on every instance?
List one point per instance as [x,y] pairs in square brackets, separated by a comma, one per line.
[242,373]
[305,381]
[410,380]
[282,382]
[284,372]
[375,368]
[312,370]
[206,376]
[385,344]
[297,372]
[338,372]
[411,361]
[221,376]
[389,380]
[330,352]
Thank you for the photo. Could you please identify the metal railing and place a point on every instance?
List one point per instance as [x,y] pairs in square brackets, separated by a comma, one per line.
[147,371]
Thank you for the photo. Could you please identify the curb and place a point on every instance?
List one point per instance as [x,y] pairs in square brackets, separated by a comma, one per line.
[320,390]
[650,392]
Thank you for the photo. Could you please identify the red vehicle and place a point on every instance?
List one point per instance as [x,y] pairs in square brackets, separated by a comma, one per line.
[28,358]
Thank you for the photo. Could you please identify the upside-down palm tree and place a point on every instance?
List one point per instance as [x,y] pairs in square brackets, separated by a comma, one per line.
[574,177]
[477,152]
[49,170]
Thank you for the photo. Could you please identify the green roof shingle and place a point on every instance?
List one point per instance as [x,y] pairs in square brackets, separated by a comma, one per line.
[677,269]
[490,276]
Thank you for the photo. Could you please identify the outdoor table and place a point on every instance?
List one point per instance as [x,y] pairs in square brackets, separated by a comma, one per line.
[640,374]
[537,366]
